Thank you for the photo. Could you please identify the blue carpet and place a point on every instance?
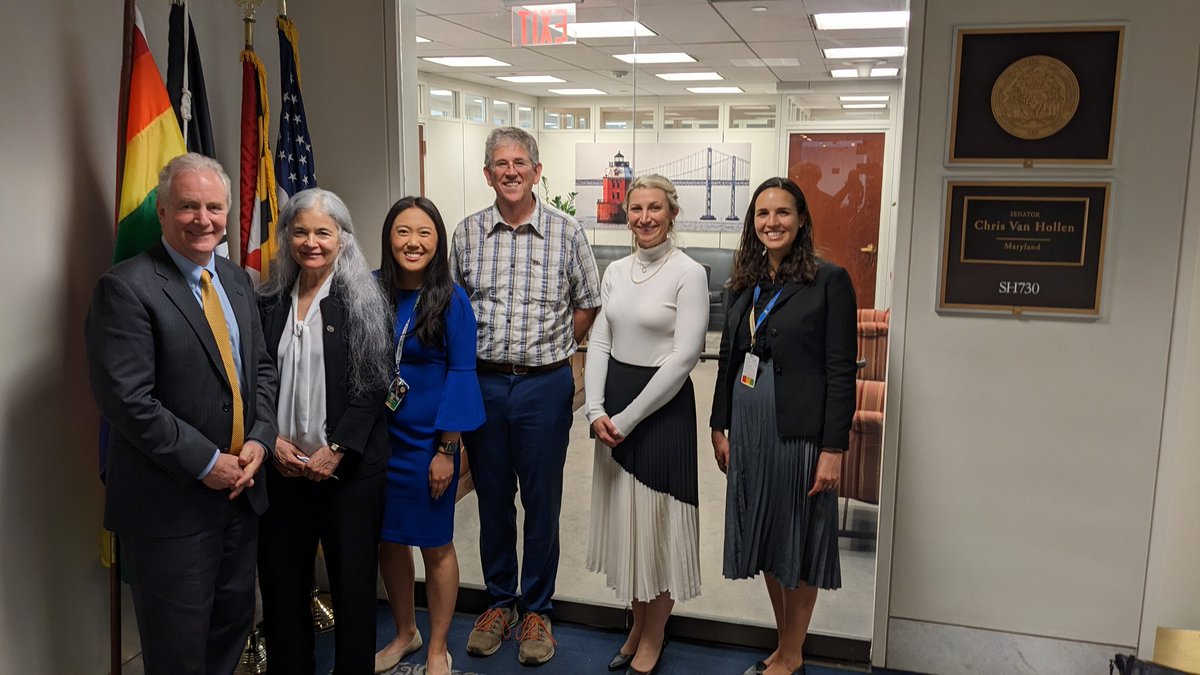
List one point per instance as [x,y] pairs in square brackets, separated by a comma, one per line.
[581,651]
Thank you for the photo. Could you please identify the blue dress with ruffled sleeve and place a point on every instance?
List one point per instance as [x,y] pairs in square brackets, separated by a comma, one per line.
[444,395]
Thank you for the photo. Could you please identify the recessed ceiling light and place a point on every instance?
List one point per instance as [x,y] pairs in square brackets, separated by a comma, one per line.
[660,57]
[849,99]
[852,106]
[860,20]
[440,92]
[530,79]
[578,92]
[608,29]
[844,72]
[465,61]
[524,108]
[688,77]
[421,39]
[885,72]
[863,52]
[715,90]
[758,8]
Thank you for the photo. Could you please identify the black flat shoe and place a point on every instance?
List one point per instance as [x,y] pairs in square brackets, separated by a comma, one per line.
[620,661]
[755,669]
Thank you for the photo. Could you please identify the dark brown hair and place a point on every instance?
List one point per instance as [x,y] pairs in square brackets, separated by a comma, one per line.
[750,263]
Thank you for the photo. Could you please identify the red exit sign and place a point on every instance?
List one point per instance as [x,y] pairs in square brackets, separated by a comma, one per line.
[538,25]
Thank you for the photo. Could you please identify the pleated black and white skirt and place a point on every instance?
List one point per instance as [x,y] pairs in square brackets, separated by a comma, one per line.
[645,518]
[771,524]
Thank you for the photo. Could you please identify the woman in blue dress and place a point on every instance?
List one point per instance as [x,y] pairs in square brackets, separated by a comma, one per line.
[433,397]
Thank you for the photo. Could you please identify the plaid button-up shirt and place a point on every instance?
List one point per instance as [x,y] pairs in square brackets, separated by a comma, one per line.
[525,281]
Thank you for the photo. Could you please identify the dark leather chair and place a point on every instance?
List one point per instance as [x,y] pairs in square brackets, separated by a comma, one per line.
[719,264]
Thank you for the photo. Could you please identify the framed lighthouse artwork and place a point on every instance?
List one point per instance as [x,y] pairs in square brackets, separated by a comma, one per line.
[713,180]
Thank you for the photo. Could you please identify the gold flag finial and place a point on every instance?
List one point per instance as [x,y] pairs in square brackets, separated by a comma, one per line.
[249,7]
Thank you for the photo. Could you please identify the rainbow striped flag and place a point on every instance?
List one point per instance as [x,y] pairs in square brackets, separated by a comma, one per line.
[151,139]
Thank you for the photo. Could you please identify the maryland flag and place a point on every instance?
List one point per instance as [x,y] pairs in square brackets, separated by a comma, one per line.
[150,138]
[259,209]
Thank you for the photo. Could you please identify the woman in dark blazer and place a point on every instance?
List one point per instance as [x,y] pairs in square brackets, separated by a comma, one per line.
[781,413]
[327,323]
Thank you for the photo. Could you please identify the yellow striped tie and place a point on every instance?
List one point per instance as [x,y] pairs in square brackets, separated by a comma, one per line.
[220,331]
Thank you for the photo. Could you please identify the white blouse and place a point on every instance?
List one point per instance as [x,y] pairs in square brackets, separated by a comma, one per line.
[302,374]
[653,312]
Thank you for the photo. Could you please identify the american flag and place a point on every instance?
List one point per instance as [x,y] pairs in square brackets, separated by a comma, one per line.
[295,168]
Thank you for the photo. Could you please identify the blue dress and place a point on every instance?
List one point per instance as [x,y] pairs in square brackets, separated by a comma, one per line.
[444,395]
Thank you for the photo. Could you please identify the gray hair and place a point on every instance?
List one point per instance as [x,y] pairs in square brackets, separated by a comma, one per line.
[502,135]
[191,163]
[368,311]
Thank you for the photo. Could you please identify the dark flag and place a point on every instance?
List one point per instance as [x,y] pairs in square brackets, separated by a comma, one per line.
[295,169]
[199,127]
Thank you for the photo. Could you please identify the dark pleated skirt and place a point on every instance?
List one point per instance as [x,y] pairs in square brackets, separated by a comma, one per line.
[661,450]
[771,524]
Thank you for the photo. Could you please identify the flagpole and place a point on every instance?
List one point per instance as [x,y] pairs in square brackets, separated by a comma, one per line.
[114,568]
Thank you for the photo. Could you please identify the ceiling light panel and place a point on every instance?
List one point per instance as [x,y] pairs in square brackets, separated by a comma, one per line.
[530,79]
[659,57]
[715,90]
[863,52]
[885,72]
[466,61]
[863,99]
[863,106]
[860,20]
[843,72]
[578,92]
[608,29]
[689,77]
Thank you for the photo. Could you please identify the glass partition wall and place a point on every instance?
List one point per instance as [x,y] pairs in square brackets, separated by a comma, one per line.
[741,102]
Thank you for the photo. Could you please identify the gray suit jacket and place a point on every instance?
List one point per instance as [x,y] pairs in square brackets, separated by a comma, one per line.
[160,383]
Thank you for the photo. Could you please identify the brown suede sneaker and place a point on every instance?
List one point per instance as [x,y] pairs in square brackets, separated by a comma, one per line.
[491,629]
[537,642]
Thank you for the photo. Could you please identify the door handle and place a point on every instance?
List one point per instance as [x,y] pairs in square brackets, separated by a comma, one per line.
[869,248]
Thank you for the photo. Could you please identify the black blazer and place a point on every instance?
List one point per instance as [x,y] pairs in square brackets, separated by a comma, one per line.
[160,383]
[358,424]
[813,347]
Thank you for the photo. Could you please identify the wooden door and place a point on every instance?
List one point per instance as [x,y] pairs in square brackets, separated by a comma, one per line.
[841,175]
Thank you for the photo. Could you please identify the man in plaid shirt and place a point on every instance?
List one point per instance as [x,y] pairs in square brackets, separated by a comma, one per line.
[533,284]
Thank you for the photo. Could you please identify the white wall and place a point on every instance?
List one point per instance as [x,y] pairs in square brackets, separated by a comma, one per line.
[1027,450]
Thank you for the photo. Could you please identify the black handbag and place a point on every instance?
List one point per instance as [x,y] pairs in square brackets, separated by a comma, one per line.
[1128,664]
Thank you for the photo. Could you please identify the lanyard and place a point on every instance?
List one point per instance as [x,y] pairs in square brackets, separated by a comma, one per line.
[404,334]
[756,324]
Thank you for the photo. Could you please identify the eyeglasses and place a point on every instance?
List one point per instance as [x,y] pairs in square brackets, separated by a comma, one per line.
[517,164]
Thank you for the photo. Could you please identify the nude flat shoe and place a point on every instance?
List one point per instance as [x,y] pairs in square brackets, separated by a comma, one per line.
[385,662]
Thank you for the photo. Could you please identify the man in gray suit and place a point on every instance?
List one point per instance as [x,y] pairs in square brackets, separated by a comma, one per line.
[180,370]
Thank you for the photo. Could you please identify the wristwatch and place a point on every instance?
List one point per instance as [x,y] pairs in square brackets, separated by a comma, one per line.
[337,449]
[450,448]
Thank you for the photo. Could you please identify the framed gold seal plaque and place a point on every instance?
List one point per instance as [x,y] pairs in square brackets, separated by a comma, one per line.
[1032,247]
[1035,95]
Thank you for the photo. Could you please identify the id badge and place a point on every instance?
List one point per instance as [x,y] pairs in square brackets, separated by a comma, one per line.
[396,392]
[750,370]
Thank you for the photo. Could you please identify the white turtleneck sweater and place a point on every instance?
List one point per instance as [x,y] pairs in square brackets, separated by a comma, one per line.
[653,312]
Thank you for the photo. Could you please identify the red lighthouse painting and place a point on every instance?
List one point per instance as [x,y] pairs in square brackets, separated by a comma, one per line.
[609,208]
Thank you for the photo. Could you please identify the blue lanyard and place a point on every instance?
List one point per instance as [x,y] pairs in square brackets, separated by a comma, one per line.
[404,333]
[756,324]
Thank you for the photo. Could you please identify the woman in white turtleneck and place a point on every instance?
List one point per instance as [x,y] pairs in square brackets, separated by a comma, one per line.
[644,344]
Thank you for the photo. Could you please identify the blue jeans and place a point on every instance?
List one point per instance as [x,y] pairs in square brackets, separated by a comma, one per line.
[523,442]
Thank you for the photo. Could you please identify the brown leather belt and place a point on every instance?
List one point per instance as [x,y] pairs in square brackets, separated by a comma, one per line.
[514,369]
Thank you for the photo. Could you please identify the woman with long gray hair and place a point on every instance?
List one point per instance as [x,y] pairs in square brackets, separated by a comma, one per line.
[328,323]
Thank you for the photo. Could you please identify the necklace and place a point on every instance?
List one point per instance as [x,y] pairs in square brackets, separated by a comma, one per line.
[646,266]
